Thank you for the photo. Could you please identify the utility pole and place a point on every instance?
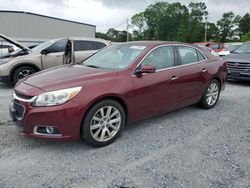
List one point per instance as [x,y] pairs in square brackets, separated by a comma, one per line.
[206,29]
[127,31]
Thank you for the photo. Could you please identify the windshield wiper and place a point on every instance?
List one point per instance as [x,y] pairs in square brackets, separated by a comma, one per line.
[93,66]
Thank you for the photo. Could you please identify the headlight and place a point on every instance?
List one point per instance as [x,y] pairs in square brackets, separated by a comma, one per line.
[56,97]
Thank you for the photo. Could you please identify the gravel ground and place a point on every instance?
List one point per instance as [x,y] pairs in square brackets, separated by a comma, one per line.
[190,147]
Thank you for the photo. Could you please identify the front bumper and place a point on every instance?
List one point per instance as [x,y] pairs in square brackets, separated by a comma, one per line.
[66,118]
[238,75]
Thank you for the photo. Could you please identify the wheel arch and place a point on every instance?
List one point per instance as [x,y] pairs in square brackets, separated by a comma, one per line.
[22,65]
[106,97]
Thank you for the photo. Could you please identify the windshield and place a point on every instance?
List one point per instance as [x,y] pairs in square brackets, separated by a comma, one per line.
[243,49]
[42,46]
[232,47]
[115,57]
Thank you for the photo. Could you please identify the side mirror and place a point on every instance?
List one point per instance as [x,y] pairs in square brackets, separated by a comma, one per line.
[45,51]
[145,69]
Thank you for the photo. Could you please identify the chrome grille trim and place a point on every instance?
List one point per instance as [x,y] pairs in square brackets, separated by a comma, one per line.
[239,67]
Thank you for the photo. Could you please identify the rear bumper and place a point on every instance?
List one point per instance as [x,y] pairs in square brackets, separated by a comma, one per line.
[5,79]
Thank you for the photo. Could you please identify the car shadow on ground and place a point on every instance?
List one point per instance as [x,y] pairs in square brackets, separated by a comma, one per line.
[239,82]
[6,86]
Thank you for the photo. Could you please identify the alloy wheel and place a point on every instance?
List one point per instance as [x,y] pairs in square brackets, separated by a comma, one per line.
[212,94]
[105,123]
[23,73]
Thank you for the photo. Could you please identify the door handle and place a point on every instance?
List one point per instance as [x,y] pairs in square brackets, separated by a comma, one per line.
[59,55]
[204,70]
[174,78]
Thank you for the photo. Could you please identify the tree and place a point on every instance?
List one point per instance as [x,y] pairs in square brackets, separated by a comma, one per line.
[196,26]
[102,36]
[246,37]
[244,24]
[139,23]
[227,26]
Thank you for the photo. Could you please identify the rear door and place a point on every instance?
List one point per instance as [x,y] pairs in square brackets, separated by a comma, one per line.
[193,73]
[156,92]
[55,54]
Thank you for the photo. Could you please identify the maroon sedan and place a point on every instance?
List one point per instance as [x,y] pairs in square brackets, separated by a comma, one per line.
[122,83]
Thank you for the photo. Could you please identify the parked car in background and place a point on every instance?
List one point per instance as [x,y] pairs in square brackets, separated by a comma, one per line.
[238,63]
[217,47]
[5,49]
[203,44]
[229,47]
[210,50]
[49,54]
[122,83]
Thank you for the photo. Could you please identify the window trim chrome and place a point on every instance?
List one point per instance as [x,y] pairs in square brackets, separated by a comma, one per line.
[176,66]
[24,100]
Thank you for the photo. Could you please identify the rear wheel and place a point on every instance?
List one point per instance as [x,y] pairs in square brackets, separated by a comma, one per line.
[210,95]
[103,123]
[22,72]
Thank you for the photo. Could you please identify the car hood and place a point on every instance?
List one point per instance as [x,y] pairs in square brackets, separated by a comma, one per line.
[239,58]
[12,41]
[67,76]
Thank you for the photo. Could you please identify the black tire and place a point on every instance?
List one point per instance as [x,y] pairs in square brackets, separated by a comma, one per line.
[203,102]
[16,75]
[86,132]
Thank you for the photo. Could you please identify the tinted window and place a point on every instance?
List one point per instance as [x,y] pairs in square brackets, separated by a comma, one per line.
[161,58]
[188,55]
[99,45]
[58,46]
[83,45]
[200,56]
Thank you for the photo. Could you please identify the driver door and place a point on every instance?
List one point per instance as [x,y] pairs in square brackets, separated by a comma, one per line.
[54,55]
[159,91]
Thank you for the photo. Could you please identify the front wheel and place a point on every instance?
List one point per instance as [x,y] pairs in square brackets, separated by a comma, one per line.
[103,123]
[210,95]
[22,72]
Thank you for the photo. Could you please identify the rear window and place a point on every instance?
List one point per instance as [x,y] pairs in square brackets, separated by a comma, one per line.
[83,45]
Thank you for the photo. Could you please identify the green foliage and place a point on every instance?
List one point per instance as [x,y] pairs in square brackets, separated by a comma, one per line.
[244,24]
[227,26]
[114,35]
[178,22]
[246,37]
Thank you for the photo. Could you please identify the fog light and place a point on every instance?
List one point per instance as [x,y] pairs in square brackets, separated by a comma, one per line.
[49,130]
[46,130]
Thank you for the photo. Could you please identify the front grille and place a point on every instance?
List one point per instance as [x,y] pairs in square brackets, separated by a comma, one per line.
[239,67]
[19,111]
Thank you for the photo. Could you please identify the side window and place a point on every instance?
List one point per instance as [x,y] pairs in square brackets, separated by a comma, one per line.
[161,58]
[99,45]
[188,55]
[58,46]
[200,56]
[80,45]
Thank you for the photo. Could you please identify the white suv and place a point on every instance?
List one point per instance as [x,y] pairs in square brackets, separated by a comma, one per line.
[25,61]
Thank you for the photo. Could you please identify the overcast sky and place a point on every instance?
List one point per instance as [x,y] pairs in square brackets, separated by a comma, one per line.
[112,13]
